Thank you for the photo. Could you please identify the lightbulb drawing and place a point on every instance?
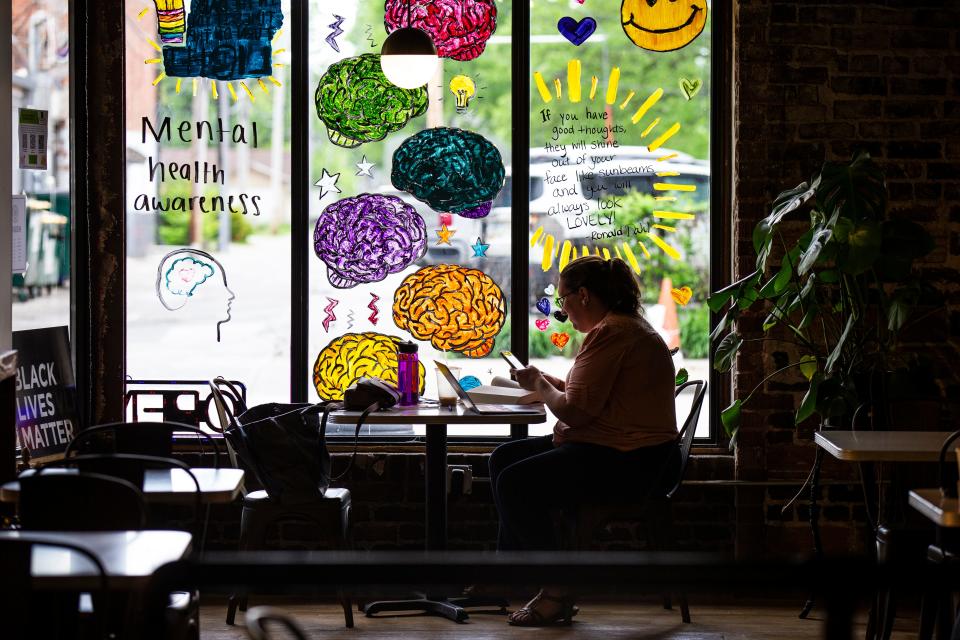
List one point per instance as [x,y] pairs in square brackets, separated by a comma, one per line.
[462,88]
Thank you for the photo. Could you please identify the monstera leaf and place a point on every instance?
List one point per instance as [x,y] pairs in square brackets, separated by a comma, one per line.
[856,189]
[786,203]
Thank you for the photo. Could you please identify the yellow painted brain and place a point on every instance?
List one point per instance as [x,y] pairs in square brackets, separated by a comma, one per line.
[353,356]
[456,308]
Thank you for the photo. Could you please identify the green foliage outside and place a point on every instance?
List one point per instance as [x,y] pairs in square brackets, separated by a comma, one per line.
[174,226]
[694,330]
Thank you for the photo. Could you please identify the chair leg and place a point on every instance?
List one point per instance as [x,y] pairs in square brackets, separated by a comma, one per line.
[347,608]
[232,609]
[889,614]
[667,602]
[928,615]
[684,609]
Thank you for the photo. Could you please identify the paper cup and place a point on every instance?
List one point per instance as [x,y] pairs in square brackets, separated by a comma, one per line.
[446,393]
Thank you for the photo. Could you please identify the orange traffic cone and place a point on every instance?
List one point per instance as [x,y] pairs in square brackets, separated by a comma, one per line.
[671,324]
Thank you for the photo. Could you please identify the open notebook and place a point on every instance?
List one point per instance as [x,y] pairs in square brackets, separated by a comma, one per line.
[484,409]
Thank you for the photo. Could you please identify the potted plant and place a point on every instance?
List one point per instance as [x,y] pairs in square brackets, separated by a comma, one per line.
[838,301]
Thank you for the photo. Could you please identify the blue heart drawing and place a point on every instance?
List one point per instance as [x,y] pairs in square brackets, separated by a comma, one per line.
[544,305]
[576,32]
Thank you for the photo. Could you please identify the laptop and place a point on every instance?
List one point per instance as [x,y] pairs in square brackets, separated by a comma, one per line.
[482,409]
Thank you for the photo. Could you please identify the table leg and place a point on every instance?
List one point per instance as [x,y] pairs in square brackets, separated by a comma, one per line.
[436,487]
[814,520]
[436,525]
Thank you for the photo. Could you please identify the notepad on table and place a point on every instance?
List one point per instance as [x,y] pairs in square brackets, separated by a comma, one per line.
[503,391]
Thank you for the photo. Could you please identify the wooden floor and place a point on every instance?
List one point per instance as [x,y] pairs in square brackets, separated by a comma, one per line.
[601,620]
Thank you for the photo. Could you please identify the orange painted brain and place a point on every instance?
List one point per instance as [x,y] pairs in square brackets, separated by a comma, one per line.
[353,356]
[455,308]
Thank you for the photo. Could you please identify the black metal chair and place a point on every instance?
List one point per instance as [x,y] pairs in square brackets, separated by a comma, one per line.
[936,608]
[51,496]
[80,502]
[329,513]
[259,619]
[655,509]
[28,612]
[145,438]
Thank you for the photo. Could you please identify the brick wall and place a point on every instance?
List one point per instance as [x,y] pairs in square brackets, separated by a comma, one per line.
[814,81]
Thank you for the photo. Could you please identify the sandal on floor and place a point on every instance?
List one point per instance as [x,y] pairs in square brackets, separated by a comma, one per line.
[529,616]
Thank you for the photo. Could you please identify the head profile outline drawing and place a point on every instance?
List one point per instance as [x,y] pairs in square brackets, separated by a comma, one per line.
[186,270]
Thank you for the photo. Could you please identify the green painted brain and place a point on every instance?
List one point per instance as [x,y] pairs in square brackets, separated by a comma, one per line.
[358,104]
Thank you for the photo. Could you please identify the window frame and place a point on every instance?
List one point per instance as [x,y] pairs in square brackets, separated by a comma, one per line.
[103,375]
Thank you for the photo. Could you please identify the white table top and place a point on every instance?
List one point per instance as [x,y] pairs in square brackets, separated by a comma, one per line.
[423,414]
[217,486]
[944,512]
[130,557]
[882,446]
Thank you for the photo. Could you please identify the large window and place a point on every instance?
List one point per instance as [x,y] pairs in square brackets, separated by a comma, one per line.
[40,54]
[208,190]
[409,221]
[410,238]
[619,166]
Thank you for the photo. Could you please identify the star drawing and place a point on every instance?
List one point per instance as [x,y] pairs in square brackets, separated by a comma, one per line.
[363,168]
[327,183]
[445,234]
[479,249]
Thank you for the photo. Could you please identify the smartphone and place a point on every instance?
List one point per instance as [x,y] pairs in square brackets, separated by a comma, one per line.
[512,360]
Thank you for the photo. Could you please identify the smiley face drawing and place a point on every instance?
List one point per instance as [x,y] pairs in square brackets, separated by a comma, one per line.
[663,25]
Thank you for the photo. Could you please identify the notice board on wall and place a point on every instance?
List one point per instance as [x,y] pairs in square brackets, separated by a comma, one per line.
[46,392]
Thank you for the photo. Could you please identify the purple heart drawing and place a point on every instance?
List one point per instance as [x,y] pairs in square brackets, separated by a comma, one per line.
[544,306]
[576,32]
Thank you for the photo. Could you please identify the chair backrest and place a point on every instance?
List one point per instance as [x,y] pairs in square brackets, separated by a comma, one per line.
[80,502]
[143,438]
[21,605]
[259,619]
[688,429]
[229,403]
[124,465]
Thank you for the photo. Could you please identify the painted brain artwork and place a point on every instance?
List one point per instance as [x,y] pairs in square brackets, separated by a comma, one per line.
[353,356]
[450,170]
[367,237]
[224,40]
[455,308]
[185,274]
[357,103]
[459,28]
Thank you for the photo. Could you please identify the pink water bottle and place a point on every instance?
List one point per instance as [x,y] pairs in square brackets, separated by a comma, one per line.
[408,373]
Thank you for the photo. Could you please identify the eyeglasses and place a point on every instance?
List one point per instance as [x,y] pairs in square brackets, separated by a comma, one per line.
[559,300]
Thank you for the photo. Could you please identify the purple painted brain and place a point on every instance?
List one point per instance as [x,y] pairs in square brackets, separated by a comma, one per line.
[459,28]
[368,237]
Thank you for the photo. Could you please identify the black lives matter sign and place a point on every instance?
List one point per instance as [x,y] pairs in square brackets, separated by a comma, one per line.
[46,393]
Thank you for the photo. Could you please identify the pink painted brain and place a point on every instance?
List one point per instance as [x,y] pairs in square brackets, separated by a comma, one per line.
[368,237]
[459,28]
[455,308]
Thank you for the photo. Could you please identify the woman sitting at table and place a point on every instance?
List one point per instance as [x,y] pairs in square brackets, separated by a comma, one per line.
[616,431]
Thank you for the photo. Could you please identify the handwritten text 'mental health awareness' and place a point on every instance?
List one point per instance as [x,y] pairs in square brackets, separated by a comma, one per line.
[197,172]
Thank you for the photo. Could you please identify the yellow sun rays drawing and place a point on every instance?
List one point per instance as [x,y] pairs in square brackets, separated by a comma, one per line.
[560,253]
[165,6]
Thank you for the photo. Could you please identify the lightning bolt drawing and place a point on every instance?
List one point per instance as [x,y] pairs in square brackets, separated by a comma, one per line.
[331,39]
[330,317]
[368,29]
[373,307]
[350,319]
